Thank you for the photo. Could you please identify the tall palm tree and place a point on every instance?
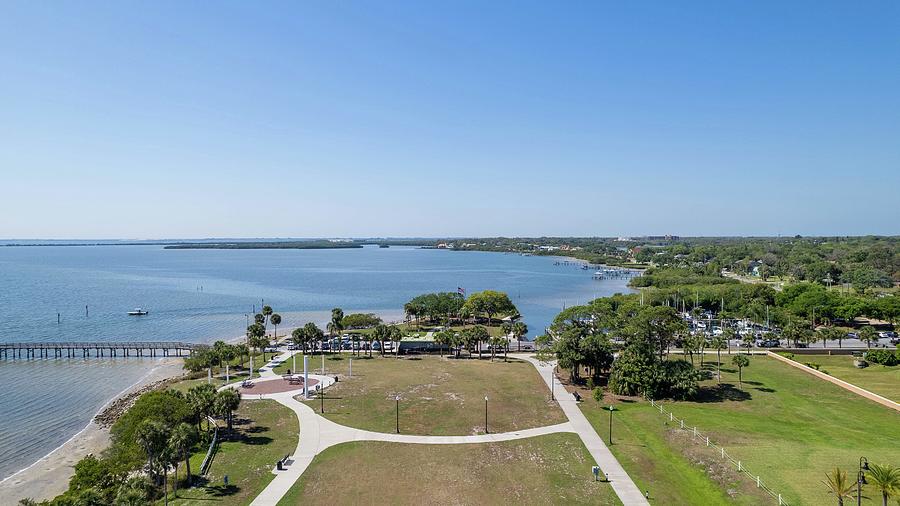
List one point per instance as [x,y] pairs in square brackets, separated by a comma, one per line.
[839,485]
[395,335]
[225,404]
[182,440]
[719,342]
[740,361]
[151,436]
[337,322]
[276,320]
[886,479]
[520,330]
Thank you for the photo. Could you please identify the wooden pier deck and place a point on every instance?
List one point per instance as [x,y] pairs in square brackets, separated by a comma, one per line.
[97,349]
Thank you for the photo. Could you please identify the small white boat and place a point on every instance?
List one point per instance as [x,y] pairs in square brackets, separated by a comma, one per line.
[138,312]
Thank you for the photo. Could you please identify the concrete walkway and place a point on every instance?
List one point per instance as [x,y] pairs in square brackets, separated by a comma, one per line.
[318,433]
[621,483]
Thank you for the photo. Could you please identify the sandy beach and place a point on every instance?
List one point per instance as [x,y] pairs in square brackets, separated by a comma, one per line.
[49,476]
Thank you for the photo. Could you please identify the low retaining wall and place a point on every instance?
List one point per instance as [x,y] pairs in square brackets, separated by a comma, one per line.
[884,401]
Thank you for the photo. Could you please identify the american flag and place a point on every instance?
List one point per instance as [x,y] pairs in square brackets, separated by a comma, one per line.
[461,291]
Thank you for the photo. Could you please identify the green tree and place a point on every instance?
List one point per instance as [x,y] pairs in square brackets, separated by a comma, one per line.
[868,334]
[201,399]
[298,338]
[275,319]
[226,403]
[476,335]
[91,472]
[490,303]
[886,479]
[719,343]
[182,439]
[395,335]
[443,338]
[740,361]
[336,325]
[152,437]
[837,483]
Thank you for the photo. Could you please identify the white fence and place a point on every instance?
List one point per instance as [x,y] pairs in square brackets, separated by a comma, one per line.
[698,437]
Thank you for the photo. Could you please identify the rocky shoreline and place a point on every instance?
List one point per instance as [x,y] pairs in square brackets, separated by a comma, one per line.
[108,415]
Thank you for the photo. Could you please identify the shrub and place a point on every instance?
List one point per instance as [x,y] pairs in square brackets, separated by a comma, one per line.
[883,357]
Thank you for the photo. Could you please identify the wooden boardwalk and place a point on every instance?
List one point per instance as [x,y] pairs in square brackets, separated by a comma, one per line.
[72,349]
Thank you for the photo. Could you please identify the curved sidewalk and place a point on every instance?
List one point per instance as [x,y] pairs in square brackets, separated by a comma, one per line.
[318,433]
[621,483]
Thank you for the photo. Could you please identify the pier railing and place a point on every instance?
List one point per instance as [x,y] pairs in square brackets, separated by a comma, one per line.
[60,349]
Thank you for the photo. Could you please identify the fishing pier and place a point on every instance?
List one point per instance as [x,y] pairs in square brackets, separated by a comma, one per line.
[97,349]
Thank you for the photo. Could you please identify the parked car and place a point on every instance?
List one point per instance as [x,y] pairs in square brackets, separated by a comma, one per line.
[852,335]
[889,334]
[769,343]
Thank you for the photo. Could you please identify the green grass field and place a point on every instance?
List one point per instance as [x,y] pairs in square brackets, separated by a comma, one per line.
[266,432]
[785,425]
[880,379]
[552,469]
[438,396]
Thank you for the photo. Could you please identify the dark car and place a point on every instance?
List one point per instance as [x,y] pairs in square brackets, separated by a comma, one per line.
[769,343]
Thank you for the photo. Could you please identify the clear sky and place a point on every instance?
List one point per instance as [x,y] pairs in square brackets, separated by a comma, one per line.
[159,119]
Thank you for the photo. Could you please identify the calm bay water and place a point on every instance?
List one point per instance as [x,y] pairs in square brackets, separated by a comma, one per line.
[203,295]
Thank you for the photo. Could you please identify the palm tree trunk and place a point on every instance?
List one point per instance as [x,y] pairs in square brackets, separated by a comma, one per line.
[187,464]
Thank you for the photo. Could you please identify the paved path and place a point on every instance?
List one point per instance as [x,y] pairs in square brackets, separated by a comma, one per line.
[621,483]
[318,433]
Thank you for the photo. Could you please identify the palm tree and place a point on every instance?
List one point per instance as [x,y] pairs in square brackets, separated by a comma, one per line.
[380,335]
[740,361]
[868,335]
[267,313]
[719,342]
[298,337]
[728,335]
[519,330]
[337,321]
[201,398]
[396,335]
[151,436]
[839,485]
[225,404]
[275,319]
[442,338]
[228,353]
[886,479]
[182,440]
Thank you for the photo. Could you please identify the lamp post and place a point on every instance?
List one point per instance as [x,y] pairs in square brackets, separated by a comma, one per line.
[397,398]
[552,395]
[861,479]
[322,399]
[485,415]
[610,424]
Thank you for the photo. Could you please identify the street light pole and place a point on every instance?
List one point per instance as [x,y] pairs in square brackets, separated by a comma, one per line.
[861,479]
[485,415]
[610,424]
[397,398]
[322,400]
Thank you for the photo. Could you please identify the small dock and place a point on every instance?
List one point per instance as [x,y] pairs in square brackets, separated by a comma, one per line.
[615,273]
[97,349]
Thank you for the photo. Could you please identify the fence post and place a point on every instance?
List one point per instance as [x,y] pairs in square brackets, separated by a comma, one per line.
[682,424]
[779,499]
[723,452]
[739,465]
[670,417]
[695,431]
[757,482]
[707,440]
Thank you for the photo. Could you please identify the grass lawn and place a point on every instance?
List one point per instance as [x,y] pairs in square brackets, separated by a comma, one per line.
[551,469]
[785,425]
[437,396]
[266,431]
[880,379]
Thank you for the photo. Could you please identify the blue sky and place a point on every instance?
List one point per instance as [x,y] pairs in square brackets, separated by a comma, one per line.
[311,119]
